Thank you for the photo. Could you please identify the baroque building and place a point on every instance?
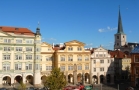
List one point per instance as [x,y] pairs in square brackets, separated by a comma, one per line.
[70,57]
[102,66]
[20,51]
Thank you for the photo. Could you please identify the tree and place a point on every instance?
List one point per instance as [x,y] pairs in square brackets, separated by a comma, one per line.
[56,80]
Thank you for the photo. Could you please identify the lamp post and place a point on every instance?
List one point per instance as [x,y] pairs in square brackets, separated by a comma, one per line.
[83,78]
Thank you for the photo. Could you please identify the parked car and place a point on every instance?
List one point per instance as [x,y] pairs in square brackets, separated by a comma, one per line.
[88,87]
[3,89]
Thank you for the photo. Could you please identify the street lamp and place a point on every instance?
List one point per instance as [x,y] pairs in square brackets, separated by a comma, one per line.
[83,78]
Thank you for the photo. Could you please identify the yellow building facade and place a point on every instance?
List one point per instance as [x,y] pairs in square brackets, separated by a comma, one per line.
[67,57]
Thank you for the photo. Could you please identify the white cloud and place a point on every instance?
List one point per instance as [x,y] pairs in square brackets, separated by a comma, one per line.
[52,39]
[106,29]
[101,30]
[90,44]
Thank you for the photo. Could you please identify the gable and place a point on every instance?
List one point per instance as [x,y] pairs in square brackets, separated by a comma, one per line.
[46,44]
[74,43]
[101,49]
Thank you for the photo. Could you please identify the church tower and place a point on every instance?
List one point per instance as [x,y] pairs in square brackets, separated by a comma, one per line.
[37,56]
[120,37]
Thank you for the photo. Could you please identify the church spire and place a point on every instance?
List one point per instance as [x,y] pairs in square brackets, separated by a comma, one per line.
[38,30]
[120,27]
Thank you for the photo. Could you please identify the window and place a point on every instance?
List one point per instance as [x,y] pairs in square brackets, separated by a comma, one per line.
[101,61]
[28,48]
[94,61]
[48,58]
[70,67]
[117,37]
[123,37]
[101,69]
[6,57]
[79,49]
[28,66]
[137,70]
[62,58]
[7,49]
[48,68]
[29,41]
[49,49]
[62,68]
[18,41]
[136,59]
[96,55]
[18,57]
[86,58]
[117,44]
[41,67]
[86,67]
[38,57]
[18,48]
[79,58]
[6,67]
[38,49]
[28,57]
[7,40]
[80,67]
[94,69]
[18,66]
[70,48]
[100,55]
[37,66]
[70,58]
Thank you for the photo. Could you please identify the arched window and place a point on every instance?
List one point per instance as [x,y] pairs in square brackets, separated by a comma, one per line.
[62,57]
[70,58]
[79,58]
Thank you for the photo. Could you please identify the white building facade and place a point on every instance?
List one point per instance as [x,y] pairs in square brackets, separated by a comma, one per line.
[20,51]
[102,66]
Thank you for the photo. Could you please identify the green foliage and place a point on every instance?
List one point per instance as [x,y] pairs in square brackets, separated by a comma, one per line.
[56,80]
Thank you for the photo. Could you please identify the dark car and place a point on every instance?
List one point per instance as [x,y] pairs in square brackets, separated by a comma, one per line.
[31,88]
[3,89]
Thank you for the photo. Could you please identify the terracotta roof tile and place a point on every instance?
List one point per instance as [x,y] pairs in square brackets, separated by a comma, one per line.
[16,30]
[117,54]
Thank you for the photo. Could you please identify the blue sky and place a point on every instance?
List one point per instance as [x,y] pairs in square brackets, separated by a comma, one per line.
[93,22]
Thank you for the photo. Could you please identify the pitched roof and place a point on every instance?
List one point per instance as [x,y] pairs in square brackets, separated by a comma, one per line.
[135,50]
[16,30]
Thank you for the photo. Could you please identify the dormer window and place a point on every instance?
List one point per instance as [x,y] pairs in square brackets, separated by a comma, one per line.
[79,49]
[70,48]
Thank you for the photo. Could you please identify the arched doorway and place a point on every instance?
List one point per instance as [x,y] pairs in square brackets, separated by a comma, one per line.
[101,78]
[95,79]
[86,77]
[18,79]
[43,79]
[6,80]
[79,77]
[70,78]
[29,79]
[108,78]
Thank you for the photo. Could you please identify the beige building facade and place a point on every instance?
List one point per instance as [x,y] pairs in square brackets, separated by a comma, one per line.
[70,57]
[20,55]
[102,66]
